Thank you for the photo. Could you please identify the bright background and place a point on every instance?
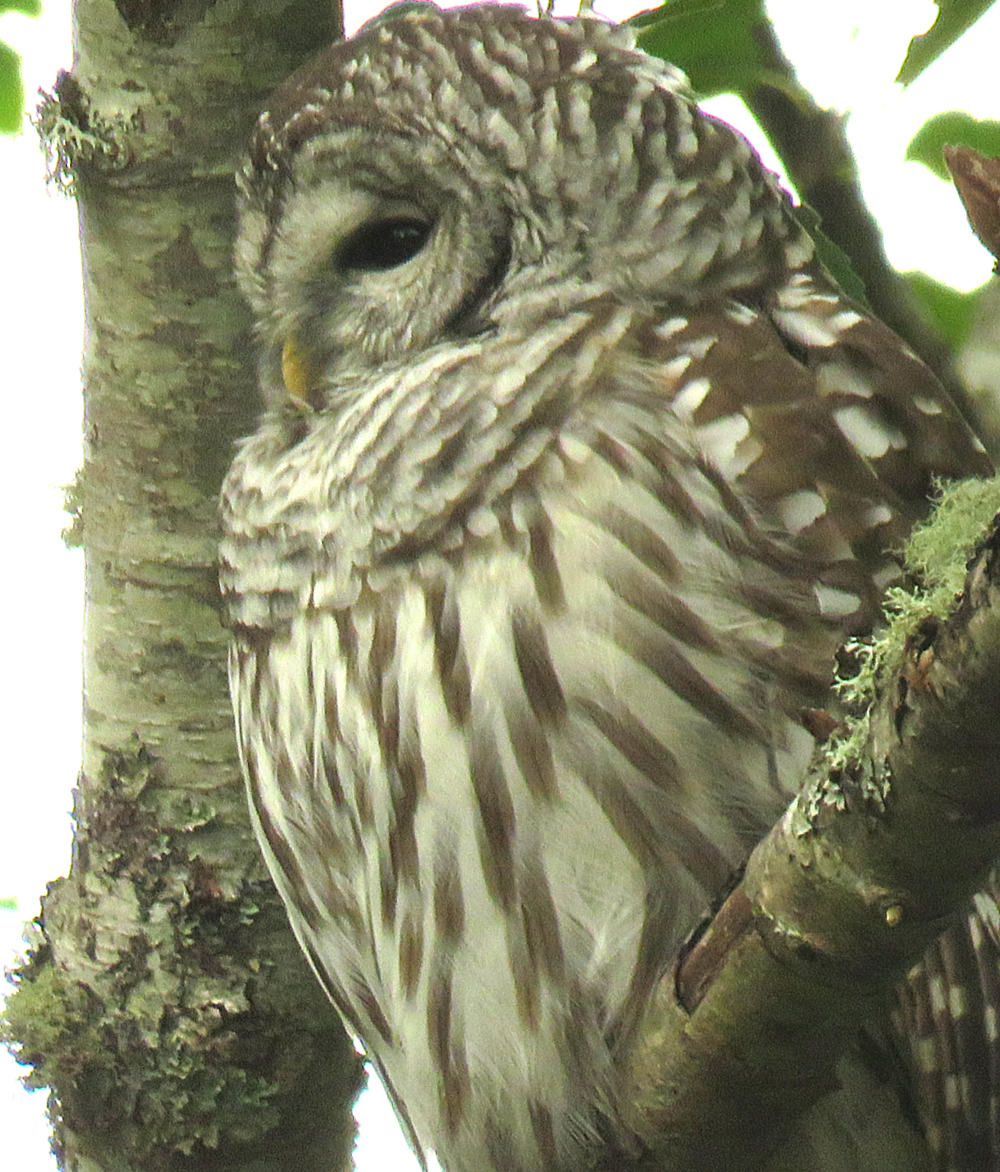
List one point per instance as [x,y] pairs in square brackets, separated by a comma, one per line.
[847,55]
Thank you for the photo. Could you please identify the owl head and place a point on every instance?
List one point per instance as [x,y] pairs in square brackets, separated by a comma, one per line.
[446,171]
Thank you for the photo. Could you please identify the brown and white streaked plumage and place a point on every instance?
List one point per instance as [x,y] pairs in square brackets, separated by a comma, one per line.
[575,469]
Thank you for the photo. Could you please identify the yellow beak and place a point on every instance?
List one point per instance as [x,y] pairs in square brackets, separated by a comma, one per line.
[296,371]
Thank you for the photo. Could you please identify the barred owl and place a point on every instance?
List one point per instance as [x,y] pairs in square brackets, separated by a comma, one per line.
[575,469]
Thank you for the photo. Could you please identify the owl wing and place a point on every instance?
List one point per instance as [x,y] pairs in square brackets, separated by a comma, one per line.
[946,1013]
[900,434]
[827,422]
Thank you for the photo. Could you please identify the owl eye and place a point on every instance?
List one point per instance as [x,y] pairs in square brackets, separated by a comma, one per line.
[383,244]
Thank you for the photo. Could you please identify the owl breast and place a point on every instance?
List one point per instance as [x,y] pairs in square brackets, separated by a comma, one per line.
[505,748]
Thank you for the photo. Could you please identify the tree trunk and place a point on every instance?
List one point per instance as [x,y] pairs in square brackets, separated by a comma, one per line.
[166,1002]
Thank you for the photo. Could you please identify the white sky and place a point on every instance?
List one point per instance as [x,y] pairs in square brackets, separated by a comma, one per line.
[847,57]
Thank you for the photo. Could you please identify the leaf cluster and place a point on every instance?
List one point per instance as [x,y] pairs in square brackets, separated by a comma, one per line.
[718,43]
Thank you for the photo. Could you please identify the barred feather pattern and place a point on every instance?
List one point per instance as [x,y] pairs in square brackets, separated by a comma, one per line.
[546,540]
[947,1011]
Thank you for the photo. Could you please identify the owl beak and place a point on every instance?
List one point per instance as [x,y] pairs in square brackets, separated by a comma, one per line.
[297,372]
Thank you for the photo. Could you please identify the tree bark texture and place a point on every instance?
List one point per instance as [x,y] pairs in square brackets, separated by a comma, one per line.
[166,1003]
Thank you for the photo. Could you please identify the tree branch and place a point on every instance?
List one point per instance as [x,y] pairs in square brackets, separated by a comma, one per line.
[871,862]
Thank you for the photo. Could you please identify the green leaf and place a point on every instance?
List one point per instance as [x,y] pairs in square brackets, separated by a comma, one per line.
[952,311]
[27,7]
[11,90]
[958,128]
[834,259]
[11,85]
[711,40]
[953,19]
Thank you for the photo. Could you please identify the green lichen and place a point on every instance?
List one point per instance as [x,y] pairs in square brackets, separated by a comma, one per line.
[72,535]
[46,1025]
[176,1018]
[936,556]
[205,1081]
[72,138]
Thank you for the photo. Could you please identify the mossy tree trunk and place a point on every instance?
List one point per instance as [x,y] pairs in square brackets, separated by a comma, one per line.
[166,1003]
